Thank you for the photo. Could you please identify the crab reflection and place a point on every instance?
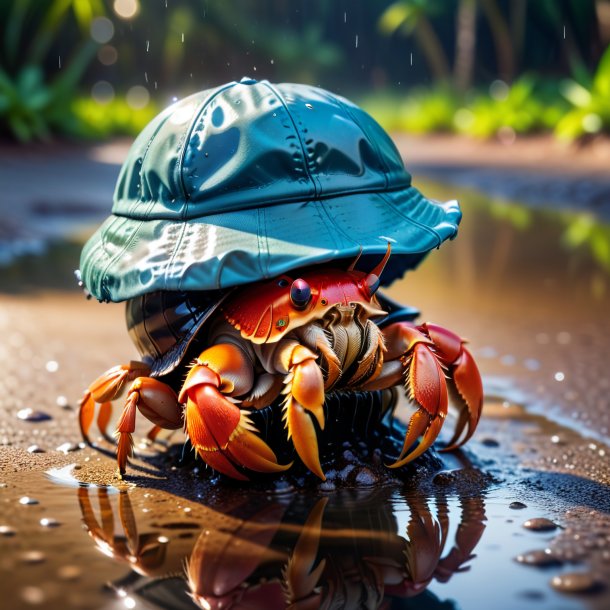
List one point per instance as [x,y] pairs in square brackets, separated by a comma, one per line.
[348,550]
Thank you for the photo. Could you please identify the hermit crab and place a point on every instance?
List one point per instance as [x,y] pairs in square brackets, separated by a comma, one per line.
[252,227]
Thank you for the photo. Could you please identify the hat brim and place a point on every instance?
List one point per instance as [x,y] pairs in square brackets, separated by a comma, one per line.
[128,257]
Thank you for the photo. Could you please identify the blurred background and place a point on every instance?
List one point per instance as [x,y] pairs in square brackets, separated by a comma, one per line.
[94,69]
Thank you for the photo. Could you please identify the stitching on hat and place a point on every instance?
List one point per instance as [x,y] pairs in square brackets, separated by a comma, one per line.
[316,188]
[348,111]
[187,136]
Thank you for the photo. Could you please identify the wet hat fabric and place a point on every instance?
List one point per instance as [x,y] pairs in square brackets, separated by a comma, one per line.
[251,180]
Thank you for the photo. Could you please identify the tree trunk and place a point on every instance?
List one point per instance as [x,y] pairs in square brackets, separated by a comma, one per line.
[465,44]
[432,48]
[505,56]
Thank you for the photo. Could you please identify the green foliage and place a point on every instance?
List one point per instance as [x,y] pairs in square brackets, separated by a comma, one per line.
[94,120]
[590,112]
[521,107]
[33,105]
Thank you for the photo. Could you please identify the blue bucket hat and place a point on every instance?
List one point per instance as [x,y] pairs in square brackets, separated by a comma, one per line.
[249,180]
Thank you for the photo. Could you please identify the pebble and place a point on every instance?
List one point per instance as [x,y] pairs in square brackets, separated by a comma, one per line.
[574,582]
[33,557]
[27,501]
[517,505]
[7,530]
[68,447]
[35,449]
[69,572]
[538,558]
[49,522]
[32,595]
[540,524]
[490,442]
[32,415]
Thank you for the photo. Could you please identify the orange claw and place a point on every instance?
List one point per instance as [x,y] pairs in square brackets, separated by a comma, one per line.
[221,433]
[157,402]
[464,380]
[304,400]
[426,387]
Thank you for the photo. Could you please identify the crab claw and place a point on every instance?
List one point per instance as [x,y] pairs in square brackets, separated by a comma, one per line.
[464,381]
[304,401]
[221,433]
[426,388]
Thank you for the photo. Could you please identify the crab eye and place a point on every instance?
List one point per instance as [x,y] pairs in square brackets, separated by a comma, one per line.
[300,293]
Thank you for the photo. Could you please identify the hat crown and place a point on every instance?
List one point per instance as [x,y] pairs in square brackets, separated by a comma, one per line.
[251,144]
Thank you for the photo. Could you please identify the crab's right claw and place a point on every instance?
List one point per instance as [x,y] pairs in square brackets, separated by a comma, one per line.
[222,434]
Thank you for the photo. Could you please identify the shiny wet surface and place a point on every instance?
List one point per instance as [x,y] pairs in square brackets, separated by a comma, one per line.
[531,290]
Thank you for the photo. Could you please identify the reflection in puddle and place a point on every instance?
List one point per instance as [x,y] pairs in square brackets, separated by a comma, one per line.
[352,549]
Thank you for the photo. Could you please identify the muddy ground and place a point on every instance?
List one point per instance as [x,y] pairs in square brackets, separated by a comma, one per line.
[533,305]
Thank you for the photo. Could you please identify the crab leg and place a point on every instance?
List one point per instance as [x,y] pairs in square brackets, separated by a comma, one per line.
[222,433]
[426,354]
[157,402]
[103,390]
[304,389]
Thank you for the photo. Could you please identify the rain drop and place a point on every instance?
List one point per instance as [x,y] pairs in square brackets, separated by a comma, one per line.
[32,415]
[35,449]
[49,522]
[27,501]
[517,505]
[356,40]
[52,366]
[147,45]
[62,401]
[7,531]
[309,106]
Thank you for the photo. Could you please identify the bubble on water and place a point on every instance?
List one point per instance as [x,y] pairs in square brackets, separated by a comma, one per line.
[33,557]
[52,366]
[517,505]
[539,558]
[27,501]
[574,582]
[7,531]
[35,449]
[49,522]
[540,524]
[559,376]
[32,595]
[32,415]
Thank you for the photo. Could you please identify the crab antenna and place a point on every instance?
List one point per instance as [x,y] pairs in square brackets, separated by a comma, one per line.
[381,266]
[353,265]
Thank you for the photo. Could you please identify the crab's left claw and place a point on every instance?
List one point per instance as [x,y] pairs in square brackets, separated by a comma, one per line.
[428,354]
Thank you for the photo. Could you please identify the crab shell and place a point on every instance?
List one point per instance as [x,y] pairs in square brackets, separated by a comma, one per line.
[265,312]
